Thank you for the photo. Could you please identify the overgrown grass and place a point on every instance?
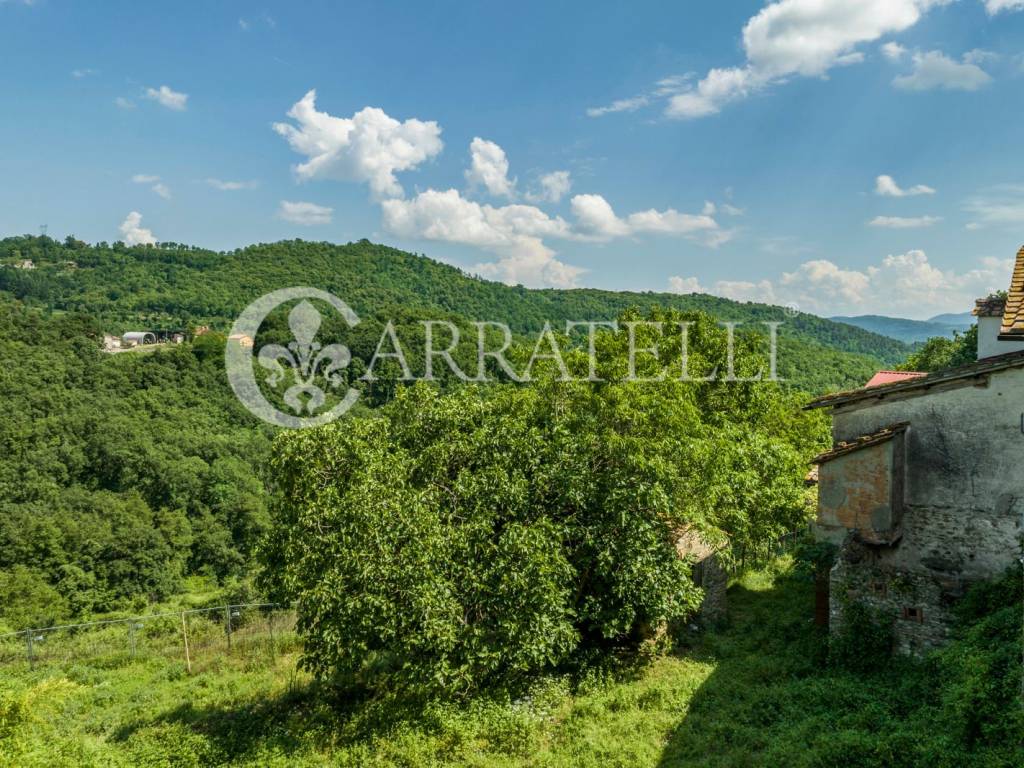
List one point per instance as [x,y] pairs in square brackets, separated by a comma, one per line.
[757,692]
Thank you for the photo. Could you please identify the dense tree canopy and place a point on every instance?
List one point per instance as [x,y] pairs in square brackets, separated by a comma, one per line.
[173,285]
[119,474]
[941,352]
[471,537]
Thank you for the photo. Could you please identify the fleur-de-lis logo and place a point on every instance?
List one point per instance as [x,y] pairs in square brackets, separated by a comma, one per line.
[304,356]
[307,369]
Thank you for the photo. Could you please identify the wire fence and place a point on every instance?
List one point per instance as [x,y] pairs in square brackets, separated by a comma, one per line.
[196,637]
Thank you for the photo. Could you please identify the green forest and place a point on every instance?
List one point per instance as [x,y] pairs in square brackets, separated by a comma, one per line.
[482,574]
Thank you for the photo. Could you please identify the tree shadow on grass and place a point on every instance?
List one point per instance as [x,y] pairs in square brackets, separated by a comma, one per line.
[769,674]
[773,699]
[306,718]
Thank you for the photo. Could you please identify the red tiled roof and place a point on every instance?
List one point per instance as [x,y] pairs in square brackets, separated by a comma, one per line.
[888,377]
[922,384]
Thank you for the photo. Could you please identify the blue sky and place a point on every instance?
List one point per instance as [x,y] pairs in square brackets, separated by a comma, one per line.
[733,148]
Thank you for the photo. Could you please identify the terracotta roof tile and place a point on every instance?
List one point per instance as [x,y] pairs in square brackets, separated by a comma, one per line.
[849,446]
[888,377]
[922,384]
[1013,315]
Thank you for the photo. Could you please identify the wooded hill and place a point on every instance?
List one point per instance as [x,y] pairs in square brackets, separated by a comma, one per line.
[176,285]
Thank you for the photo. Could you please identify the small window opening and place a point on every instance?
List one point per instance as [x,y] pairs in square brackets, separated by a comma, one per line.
[913,613]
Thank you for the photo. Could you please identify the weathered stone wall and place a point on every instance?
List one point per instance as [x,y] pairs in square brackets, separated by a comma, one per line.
[964,500]
[915,603]
[713,579]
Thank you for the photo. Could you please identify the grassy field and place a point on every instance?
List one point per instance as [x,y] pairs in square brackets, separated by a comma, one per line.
[754,693]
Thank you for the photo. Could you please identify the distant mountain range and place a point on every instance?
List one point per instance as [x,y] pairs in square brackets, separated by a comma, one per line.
[910,331]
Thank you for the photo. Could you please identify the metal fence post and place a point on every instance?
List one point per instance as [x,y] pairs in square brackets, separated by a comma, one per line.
[227,623]
[131,636]
[28,648]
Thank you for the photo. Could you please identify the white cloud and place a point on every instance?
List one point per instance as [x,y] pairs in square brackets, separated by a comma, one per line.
[595,217]
[168,98]
[631,104]
[553,187]
[797,37]
[517,233]
[304,214]
[981,56]
[893,51]
[902,222]
[488,168]
[997,6]
[132,231]
[999,206]
[157,186]
[78,74]
[124,103]
[596,220]
[667,86]
[678,284]
[231,186]
[886,186]
[933,69]
[243,24]
[904,285]
[368,147]
[514,232]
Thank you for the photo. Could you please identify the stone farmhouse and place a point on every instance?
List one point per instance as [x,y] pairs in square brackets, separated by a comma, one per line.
[923,491]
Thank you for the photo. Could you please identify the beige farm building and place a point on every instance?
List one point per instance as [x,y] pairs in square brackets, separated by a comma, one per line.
[923,489]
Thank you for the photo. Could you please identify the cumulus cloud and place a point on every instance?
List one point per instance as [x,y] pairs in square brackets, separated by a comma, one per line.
[231,186]
[998,6]
[517,232]
[552,187]
[678,284]
[797,37]
[132,231]
[886,186]
[903,222]
[168,98]
[595,219]
[368,147]
[905,284]
[514,232]
[933,69]
[304,214]
[122,103]
[488,168]
[78,74]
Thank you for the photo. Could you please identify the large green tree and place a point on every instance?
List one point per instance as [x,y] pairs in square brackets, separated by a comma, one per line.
[478,536]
